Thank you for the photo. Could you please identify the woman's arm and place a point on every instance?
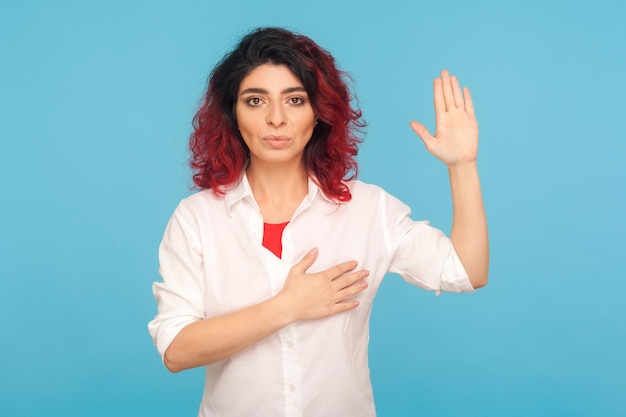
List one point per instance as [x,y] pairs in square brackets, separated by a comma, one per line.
[303,297]
[455,143]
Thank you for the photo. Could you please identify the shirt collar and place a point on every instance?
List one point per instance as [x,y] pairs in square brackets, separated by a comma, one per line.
[315,190]
[242,190]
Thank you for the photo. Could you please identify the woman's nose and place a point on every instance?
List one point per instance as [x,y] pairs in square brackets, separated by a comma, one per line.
[276,115]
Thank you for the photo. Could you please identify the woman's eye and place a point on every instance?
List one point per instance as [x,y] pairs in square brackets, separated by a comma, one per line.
[254,101]
[296,100]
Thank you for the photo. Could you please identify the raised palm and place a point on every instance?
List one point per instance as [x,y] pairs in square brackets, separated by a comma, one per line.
[456,136]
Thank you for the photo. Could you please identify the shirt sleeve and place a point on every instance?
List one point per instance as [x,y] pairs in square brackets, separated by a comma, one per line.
[180,294]
[421,254]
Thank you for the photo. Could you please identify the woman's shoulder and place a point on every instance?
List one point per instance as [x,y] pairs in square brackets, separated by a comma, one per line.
[199,202]
[364,190]
[371,194]
[200,197]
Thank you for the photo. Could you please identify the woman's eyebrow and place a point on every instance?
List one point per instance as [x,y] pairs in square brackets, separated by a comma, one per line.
[253,91]
[289,90]
[293,90]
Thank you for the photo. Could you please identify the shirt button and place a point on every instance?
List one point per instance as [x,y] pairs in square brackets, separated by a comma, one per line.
[292,388]
[290,344]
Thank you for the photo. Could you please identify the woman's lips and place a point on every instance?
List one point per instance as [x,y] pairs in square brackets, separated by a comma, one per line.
[276,141]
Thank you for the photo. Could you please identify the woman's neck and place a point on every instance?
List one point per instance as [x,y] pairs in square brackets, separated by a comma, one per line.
[278,190]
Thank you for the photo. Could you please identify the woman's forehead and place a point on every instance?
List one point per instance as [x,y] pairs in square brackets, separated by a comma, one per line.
[270,77]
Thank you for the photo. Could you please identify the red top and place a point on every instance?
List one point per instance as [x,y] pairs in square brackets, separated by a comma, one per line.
[273,236]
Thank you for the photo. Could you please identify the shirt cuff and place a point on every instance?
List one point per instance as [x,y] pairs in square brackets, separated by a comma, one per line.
[453,276]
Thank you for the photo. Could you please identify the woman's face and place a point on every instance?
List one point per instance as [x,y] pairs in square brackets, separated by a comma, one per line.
[274,115]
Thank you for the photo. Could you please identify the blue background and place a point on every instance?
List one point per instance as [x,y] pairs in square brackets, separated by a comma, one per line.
[96,100]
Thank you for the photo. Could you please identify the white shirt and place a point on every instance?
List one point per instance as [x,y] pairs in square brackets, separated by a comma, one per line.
[212,262]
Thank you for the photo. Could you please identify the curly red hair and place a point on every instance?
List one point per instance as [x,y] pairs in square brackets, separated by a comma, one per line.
[218,152]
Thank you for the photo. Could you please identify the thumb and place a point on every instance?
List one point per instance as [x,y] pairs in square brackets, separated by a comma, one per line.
[306,262]
[421,131]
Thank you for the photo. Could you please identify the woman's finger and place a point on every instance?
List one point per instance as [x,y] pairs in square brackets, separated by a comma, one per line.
[458,94]
[448,94]
[469,103]
[338,270]
[440,102]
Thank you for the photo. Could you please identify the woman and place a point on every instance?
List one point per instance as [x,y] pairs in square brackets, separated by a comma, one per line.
[269,273]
